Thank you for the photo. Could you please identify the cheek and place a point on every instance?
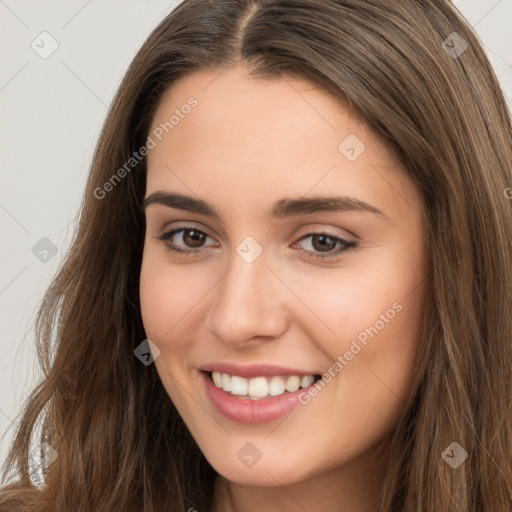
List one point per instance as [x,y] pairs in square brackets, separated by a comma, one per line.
[373,298]
[167,294]
[158,300]
[374,313]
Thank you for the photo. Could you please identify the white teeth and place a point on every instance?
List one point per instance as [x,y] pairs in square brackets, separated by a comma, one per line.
[239,386]
[292,383]
[226,382]
[260,387]
[276,386]
[217,379]
[306,381]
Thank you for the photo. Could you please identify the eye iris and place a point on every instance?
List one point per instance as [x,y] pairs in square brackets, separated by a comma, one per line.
[323,245]
[197,238]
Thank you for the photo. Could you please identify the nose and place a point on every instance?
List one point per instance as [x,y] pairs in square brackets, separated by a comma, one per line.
[248,304]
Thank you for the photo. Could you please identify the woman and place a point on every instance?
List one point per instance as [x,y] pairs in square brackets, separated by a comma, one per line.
[290,285]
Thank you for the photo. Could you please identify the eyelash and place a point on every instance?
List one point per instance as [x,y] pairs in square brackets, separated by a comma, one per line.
[347,245]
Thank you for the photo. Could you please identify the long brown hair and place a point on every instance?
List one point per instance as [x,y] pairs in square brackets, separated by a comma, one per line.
[120,442]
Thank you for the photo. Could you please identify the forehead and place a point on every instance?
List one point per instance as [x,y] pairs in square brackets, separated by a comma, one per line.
[261,106]
[258,135]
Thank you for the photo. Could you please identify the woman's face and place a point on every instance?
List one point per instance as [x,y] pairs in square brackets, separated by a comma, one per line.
[307,258]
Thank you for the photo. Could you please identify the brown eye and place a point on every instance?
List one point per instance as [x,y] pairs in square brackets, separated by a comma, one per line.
[193,237]
[325,246]
[185,241]
[323,243]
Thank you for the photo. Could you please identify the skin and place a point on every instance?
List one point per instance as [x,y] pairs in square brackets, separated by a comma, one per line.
[248,143]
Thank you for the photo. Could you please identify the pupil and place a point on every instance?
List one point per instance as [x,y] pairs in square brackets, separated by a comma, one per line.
[196,237]
[322,239]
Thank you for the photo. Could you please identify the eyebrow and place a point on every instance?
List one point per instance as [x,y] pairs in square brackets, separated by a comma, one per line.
[280,209]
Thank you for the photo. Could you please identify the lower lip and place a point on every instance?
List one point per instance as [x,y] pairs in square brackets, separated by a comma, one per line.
[244,410]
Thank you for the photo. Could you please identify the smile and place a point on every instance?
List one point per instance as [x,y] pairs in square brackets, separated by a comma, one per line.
[259,388]
[257,393]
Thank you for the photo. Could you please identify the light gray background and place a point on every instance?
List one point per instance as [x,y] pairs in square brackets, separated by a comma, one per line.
[51,113]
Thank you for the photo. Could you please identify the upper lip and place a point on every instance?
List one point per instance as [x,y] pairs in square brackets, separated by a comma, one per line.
[252,370]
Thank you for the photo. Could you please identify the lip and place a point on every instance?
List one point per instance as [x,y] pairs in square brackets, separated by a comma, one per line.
[244,410]
[253,370]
